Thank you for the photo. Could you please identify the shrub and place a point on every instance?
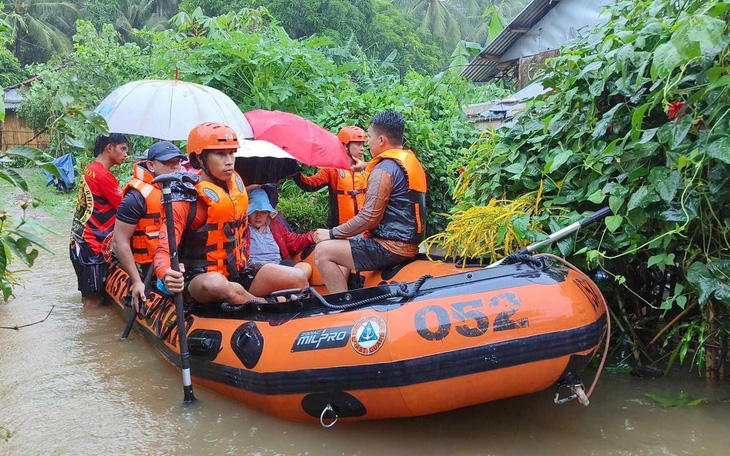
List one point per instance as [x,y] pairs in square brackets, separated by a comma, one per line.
[637,119]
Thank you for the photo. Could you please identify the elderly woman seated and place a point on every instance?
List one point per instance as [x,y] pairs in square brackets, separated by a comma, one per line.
[268,240]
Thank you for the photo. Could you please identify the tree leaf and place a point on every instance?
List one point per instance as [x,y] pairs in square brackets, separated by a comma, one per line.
[719,149]
[668,186]
[673,133]
[666,59]
[559,160]
[700,278]
[597,197]
[636,120]
[613,222]
[640,198]
[675,400]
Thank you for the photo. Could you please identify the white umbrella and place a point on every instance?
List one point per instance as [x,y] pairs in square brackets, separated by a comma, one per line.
[169,109]
[259,148]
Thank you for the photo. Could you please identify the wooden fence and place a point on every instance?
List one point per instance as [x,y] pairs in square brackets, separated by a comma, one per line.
[14,132]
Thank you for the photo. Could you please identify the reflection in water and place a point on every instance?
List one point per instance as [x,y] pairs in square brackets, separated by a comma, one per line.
[70,386]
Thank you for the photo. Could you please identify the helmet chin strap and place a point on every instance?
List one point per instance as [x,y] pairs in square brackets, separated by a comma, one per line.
[206,170]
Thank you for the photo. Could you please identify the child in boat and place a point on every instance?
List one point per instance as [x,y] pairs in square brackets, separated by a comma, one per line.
[268,240]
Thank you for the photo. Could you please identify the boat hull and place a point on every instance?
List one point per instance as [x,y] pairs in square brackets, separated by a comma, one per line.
[464,339]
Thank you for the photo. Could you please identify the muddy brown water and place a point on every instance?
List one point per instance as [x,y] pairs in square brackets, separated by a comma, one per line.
[70,386]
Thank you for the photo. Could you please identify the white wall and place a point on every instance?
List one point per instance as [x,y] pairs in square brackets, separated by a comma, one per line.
[566,21]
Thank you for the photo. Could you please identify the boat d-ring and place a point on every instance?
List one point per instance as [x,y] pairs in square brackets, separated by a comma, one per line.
[324,412]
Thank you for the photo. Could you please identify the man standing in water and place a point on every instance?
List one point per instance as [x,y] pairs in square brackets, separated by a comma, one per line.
[96,210]
[140,215]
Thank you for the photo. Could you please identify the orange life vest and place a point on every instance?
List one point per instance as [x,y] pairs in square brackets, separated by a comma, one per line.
[218,245]
[405,216]
[145,237]
[349,189]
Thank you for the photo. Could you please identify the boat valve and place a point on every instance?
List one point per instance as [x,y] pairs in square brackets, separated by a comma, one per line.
[576,391]
[328,413]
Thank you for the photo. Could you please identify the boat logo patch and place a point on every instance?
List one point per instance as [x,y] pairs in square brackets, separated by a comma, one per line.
[368,335]
[319,339]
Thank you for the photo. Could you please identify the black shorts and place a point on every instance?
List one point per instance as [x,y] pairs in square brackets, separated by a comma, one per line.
[91,268]
[368,255]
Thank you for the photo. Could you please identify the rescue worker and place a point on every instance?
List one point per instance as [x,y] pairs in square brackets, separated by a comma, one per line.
[139,216]
[346,187]
[93,224]
[210,231]
[394,213]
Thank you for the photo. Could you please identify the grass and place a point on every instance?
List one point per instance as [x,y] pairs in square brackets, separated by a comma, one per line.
[58,205]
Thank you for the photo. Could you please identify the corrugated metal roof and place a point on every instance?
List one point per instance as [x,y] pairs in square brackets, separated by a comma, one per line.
[484,66]
[12,98]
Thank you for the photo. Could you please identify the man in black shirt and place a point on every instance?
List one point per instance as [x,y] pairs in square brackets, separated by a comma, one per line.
[140,215]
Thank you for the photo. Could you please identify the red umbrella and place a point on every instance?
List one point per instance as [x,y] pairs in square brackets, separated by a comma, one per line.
[303,139]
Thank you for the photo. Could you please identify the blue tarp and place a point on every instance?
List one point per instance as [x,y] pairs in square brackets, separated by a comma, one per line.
[65,181]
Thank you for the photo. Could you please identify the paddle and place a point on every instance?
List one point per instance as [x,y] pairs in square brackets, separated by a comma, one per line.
[165,180]
[133,317]
[561,233]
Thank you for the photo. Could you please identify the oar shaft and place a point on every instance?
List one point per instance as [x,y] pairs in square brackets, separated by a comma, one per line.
[563,232]
[133,317]
[178,299]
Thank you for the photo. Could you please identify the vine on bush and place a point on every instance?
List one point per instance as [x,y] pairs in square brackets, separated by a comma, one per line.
[637,119]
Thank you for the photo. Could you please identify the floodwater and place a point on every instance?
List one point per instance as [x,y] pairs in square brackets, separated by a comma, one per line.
[70,386]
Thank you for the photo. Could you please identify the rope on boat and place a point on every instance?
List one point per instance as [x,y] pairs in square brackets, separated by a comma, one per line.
[400,292]
[608,318]
[226,307]
[524,258]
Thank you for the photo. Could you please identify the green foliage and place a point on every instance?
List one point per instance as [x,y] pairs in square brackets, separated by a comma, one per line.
[101,12]
[637,120]
[19,240]
[11,72]
[266,69]
[675,400]
[452,21]
[436,129]
[462,55]
[69,91]
[377,26]
[39,28]
[303,211]
[260,66]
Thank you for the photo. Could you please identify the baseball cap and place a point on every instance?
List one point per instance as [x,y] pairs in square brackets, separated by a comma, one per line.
[164,151]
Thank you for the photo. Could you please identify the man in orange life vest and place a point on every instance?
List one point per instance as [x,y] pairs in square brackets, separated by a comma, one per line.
[393,214]
[93,223]
[140,215]
[346,187]
[211,230]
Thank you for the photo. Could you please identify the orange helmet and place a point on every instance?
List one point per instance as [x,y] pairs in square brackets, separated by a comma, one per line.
[209,136]
[352,134]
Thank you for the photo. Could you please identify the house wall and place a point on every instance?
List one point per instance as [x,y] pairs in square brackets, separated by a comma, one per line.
[14,132]
[561,24]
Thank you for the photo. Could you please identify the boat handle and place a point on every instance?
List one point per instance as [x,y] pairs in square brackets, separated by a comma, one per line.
[324,412]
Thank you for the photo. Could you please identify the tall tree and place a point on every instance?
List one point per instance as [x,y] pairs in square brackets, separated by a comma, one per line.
[165,8]
[137,14]
[438,17]
[40,27]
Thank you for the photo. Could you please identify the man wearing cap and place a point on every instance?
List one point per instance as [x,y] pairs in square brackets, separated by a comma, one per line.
[140,215]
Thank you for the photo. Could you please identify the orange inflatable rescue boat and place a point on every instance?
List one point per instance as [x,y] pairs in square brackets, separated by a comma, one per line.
[391,348]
